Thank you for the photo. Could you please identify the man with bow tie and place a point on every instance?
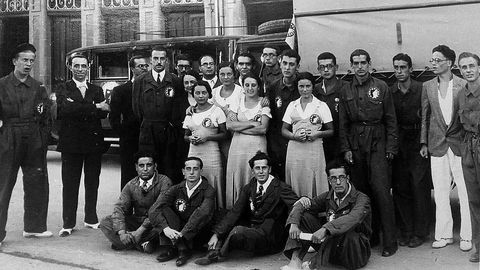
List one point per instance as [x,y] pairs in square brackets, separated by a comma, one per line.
[129,226]
[81,105]
[256,223]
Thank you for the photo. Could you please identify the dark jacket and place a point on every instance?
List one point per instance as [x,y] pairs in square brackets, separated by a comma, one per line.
[270,216]
[80,128]
[196,211]
[353,213]
[121,116]
[135,202]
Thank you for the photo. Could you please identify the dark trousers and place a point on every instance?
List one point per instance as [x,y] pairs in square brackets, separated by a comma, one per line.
[131,224]
[471,172]
[277,151]
[251,239]
[24,147]
[350,250]
[411,193]
[369,174]
[128,148]
[72,164]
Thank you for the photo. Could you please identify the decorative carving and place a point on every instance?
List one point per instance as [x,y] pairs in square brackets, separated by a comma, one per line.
[63,4]
[13,6]
[119,3]
[181,2]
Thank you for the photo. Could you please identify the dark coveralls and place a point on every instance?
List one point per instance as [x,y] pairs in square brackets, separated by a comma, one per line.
[469,113]
[271,74]
[127,126]
[153,103]
[279,96]
[24,108]
[411,180]
[331,145]
[368,128]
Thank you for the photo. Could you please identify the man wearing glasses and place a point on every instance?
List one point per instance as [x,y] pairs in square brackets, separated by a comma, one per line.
[271,67]
[369,141]
[442,138]
[123,121]
[341,239]
[183,65]
[207,70]
[328,91]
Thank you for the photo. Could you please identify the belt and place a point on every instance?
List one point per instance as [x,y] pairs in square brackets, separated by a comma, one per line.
[411,127]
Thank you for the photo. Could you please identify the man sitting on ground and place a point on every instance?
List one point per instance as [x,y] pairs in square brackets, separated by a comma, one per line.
[129,227]
[344,239]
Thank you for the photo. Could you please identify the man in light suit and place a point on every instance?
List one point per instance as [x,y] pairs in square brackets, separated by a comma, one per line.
[441,137]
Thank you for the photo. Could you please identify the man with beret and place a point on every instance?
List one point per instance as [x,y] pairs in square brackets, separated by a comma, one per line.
[24,107]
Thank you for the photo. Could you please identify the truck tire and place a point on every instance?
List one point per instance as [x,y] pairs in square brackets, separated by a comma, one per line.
[275,26]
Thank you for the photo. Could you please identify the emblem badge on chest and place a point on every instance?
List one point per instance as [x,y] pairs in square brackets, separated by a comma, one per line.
[181,205]
[40,108]
[315,119]
[169,92]
[257,118]
[374,93]
[278,102]
[207,122]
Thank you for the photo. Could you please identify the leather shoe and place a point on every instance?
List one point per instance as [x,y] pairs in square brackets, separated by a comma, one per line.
[415,242]
[474,258]
[211,257]
[389,251]
[167,255]
[403,241]
[183,256]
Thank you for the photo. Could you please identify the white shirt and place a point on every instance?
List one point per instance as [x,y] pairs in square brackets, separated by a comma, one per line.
[82,86]
[232,101]
[446,104]
[155,75]
[190,191]
[211,82]
[149,181]
[265,185]
[343,198]
[316,106]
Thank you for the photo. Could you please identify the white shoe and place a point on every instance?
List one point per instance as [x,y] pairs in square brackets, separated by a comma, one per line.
[465,245]
[44,234]
[92,226]
[65,232]
[443,242]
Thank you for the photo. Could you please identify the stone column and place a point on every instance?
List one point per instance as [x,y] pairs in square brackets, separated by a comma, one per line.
[210,17]
[93,26]
[234,14]
[152,20]
[40,36]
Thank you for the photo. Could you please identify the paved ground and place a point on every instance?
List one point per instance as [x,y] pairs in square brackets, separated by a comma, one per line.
[88,249]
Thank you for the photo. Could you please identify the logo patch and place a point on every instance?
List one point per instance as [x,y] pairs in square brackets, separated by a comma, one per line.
[278,102]
[40,108]
[181,205]
[257,118]
[207,122]
[315,119]
[374,93]
[169,92]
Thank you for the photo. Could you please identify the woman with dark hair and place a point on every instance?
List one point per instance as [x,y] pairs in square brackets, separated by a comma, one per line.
[203,129]
[249,127]
[190,79]
[306,121]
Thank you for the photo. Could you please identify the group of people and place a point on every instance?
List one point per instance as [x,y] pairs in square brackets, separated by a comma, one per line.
[232,160]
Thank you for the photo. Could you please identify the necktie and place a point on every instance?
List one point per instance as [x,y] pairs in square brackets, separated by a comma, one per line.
[258,197]
[158,78]
[83,89]
[145,186]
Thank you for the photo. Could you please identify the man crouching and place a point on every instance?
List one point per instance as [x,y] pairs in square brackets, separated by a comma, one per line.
[344,239]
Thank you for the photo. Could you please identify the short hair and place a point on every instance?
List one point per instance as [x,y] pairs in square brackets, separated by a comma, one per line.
[245,54]
[272,46]
[205,84]
[158,48]
[194,74]
[131,62]
[194,158]
[145,154]
[23,47]
[256,78]
[327,55]
[183,57]
[225,64]
[446,51]
[259,156]
[205,55]
[291,53]
[76,55]
[337,163]
[468,54]
[305,76]
[359,52]
[403,57]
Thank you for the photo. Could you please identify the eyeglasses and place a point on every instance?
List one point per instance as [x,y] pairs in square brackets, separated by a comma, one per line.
[327,66]
[142,66]
[208,64]
[183,66]
[437,60]
[265,55]
[334,179]
[357,63]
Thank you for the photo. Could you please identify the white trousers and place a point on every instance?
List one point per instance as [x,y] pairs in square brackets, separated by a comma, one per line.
[446,169]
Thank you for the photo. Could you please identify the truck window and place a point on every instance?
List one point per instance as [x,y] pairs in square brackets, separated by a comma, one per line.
[112,65]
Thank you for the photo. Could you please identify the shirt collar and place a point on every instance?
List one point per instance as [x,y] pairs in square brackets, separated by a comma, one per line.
[149,181]
[79,84]
[266,184]
[155,75]
[345,196]
[474,92]
[17,82]
[190,191]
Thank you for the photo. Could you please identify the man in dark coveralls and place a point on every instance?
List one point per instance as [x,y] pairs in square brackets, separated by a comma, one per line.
[343,238]
[155,96]
[271,70]
[410,178]
[328,91]
[24,108]
[123,120]
[280,94]
[81,105]
[369,140]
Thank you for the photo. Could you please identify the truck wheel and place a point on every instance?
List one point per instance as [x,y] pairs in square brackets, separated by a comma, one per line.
[275,26]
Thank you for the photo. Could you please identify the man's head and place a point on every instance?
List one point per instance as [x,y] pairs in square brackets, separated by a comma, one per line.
[159,58]
[192,169]
[443,59]
[289,61]
[138,65]
[327,65]
[402,65]
[469,66]
[360,62]
[338,176]
[183,64]
[207,66]
[244,62]
[23,59]
[145,164]
[270,55]
[260,165]
[78,65]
